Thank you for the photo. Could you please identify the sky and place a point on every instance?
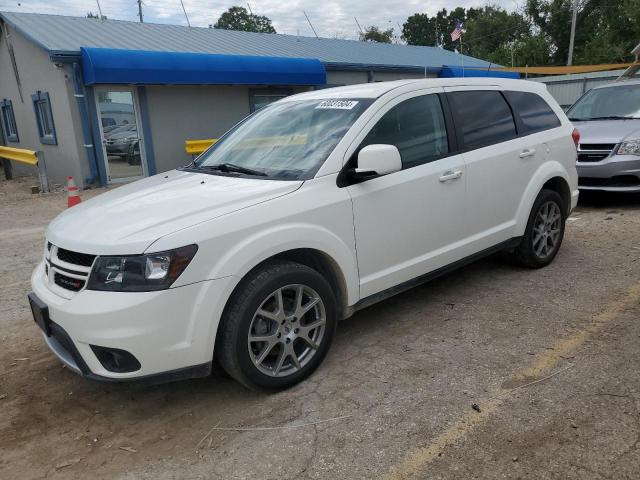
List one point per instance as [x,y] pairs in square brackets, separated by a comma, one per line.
[331,18]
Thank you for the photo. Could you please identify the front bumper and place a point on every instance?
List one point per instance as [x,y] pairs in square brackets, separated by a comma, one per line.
[616,173]
[170,332]
[118,149]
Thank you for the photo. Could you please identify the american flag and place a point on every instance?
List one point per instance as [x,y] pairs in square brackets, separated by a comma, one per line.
[457,32]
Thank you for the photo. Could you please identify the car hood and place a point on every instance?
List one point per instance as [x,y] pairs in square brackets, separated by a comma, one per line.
[128,219]
[608,131]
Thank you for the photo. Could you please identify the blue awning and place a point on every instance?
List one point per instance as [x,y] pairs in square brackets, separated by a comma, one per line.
[450,71]
[114,66]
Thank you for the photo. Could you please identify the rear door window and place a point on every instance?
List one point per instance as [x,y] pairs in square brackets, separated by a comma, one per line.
[416,127]
[483,116]
[535,114]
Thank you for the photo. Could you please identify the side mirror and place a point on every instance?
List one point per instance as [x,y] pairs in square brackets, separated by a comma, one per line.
[376,160]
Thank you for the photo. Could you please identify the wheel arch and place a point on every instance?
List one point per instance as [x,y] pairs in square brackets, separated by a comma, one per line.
[319,261]
[551,175]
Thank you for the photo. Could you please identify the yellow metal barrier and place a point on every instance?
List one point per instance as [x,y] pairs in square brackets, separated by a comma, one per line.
[30,157]
[196,147]
[19,155]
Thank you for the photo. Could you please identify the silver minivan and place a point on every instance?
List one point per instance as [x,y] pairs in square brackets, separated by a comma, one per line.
[608,119]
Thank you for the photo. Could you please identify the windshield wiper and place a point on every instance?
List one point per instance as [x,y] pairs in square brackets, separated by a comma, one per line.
[232,167]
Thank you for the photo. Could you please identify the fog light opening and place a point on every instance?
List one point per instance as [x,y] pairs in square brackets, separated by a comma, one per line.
[116,360]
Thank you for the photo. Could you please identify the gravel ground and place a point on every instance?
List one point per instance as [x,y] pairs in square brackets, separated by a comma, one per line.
[490,372]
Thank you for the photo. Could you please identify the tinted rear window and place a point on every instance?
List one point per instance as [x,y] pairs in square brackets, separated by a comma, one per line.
[535,113]
[483,116]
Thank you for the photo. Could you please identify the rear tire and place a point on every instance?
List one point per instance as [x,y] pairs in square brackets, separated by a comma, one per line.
[545,231]
[277,327]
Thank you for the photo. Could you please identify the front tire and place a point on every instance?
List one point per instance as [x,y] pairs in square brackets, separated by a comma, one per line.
[277,327]
[545,231]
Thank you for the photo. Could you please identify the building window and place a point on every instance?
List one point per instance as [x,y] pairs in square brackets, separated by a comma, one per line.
[44,118]
[9,121]
[261,97]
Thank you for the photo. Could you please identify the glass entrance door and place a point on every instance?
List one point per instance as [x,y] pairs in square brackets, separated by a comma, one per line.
[121,137]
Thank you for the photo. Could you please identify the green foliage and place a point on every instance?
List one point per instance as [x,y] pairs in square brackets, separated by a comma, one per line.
[375,34]
[420,29]
[238,18]
[606,31]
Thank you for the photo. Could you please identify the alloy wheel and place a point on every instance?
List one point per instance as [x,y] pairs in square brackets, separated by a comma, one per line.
[546,229]
[287,330]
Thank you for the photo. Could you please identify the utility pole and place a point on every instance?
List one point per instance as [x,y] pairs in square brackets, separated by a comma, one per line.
[140,10]
[574,16]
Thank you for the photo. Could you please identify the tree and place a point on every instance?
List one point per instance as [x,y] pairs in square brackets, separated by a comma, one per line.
[606,31]
[238,18]
[494,34]
[96,16]
[420,29]
[375,34]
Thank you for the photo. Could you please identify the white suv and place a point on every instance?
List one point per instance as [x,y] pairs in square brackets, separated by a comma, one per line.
[312,208]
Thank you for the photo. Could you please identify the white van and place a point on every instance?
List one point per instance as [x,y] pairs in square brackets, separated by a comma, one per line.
[313,207]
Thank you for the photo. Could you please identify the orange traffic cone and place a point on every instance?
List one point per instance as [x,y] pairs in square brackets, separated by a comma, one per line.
[73,195]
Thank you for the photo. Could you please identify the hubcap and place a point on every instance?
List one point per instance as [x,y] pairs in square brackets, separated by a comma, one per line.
[546,230]
[287,329]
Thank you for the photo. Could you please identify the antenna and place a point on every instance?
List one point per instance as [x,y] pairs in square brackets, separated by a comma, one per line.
[310,24]
[358,24]
[99,10]
[185,13]
[249,6]
[140,10]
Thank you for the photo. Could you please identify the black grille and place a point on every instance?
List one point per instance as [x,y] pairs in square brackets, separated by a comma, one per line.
[76,258]
[69,283]
[617,181]
[597,146]
[594,152]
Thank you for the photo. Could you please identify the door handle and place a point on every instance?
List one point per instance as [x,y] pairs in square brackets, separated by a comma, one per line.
[450,175]
[528,153]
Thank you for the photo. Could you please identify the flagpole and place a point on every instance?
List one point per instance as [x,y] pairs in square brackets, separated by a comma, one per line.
[461,57]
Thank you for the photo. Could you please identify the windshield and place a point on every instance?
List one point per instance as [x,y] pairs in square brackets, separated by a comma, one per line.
[607,103]
[285,140]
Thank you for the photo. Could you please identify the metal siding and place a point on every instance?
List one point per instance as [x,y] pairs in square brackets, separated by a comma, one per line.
[60,34]
[566,89]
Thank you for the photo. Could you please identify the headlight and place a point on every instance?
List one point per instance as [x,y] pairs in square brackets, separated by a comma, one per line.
[140,273]
[629,147]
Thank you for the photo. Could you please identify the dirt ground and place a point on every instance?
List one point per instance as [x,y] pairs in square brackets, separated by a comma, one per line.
[493,371]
